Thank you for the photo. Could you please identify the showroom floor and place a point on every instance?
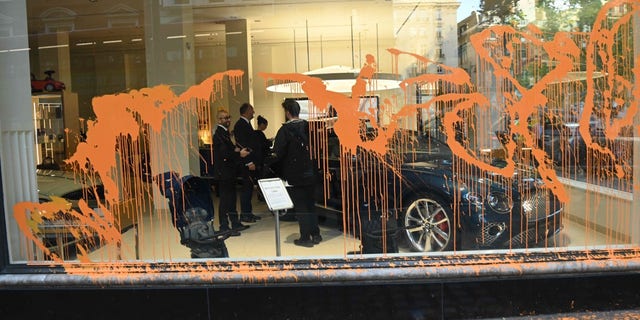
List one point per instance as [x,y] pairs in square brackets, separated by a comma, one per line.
[159,241]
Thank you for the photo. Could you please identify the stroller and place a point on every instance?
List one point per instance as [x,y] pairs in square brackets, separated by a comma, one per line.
[192,210]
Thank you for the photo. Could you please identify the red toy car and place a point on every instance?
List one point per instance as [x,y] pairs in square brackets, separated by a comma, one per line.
[47,84]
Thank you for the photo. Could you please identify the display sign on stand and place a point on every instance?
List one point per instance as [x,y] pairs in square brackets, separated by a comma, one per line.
[278,200]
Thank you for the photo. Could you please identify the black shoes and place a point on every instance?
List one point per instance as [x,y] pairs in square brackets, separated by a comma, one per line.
[239,226]
[249,218]
[235,229]
[309,242]
[229,232]
[303,243]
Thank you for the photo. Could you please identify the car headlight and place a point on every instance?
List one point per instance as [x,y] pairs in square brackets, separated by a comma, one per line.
[499,202]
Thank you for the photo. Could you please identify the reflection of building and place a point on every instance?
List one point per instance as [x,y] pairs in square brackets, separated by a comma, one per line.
[99,48]
[434,23]
[466,54]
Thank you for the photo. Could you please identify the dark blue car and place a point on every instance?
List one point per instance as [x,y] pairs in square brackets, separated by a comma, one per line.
[433,202]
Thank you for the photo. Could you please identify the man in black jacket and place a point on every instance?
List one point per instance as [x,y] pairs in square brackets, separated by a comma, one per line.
[291,150]
[245,138]
[226,159]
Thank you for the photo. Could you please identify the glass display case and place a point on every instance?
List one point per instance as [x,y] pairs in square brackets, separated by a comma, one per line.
[49,130]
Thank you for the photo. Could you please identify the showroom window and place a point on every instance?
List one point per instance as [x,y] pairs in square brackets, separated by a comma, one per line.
[109,161]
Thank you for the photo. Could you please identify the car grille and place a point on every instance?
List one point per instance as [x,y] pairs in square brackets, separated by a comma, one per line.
[536,206]
[523,239]
[531,237]
[490,233]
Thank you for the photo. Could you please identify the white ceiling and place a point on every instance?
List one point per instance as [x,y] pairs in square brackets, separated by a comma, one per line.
[274,22]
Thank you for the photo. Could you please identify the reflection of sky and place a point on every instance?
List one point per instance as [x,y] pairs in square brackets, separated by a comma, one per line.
[466,7]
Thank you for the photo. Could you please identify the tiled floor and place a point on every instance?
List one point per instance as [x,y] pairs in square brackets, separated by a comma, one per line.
[159,241]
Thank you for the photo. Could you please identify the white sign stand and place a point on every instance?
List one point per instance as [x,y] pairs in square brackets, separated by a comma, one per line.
[277,198]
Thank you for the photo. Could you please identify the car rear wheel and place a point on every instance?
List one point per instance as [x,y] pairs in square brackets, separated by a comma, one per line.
[428,225]
[49,87]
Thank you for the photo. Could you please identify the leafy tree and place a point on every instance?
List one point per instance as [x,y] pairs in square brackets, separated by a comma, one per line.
[588,10]
[500,11]
[555,19]
[569,15]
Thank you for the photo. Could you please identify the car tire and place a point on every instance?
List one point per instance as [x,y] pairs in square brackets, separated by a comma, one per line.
[49,87]
[427,224]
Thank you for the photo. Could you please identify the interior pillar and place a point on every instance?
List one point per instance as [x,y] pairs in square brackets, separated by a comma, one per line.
[169,50]
[238,39]
[170,61]
[16,129]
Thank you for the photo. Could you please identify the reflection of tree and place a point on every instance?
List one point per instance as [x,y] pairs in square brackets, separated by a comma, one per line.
[570,15]
[587,12]
[501,11]
[610,102]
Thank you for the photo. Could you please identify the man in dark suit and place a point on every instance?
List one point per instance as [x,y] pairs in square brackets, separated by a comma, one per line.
[226,160]
[245,138]
[291,152]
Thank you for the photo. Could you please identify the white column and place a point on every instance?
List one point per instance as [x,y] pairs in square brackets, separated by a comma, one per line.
[16,125]
[169,47]
[238,40]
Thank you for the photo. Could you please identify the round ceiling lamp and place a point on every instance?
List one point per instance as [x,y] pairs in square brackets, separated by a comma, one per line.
[340,79]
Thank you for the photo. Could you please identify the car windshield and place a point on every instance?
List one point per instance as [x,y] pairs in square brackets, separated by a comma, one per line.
[413,145]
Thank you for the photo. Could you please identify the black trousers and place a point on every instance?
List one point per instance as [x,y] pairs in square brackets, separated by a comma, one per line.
[246,192]
[227,205]
[304,207]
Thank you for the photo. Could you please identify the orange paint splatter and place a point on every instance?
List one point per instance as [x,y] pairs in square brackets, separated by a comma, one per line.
[122,119]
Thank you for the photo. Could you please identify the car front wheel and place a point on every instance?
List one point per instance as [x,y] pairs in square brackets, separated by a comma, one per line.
[428,225]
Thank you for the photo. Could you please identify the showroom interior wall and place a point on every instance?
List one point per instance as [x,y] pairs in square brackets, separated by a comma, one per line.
[187,61]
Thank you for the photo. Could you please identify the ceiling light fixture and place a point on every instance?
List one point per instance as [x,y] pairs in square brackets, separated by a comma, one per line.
[337,78]
[53,47]
[340,79]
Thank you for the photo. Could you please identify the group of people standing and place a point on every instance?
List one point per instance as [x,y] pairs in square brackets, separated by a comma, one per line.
[246,157]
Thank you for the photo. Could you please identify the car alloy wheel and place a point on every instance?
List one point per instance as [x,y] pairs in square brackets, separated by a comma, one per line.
[428,225]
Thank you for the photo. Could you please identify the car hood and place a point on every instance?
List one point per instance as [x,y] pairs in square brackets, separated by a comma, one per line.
[440,163]
[57,183]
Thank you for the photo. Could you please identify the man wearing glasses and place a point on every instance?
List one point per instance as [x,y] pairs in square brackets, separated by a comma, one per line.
[226,159]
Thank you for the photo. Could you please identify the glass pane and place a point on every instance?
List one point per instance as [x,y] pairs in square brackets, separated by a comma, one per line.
[425,135]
